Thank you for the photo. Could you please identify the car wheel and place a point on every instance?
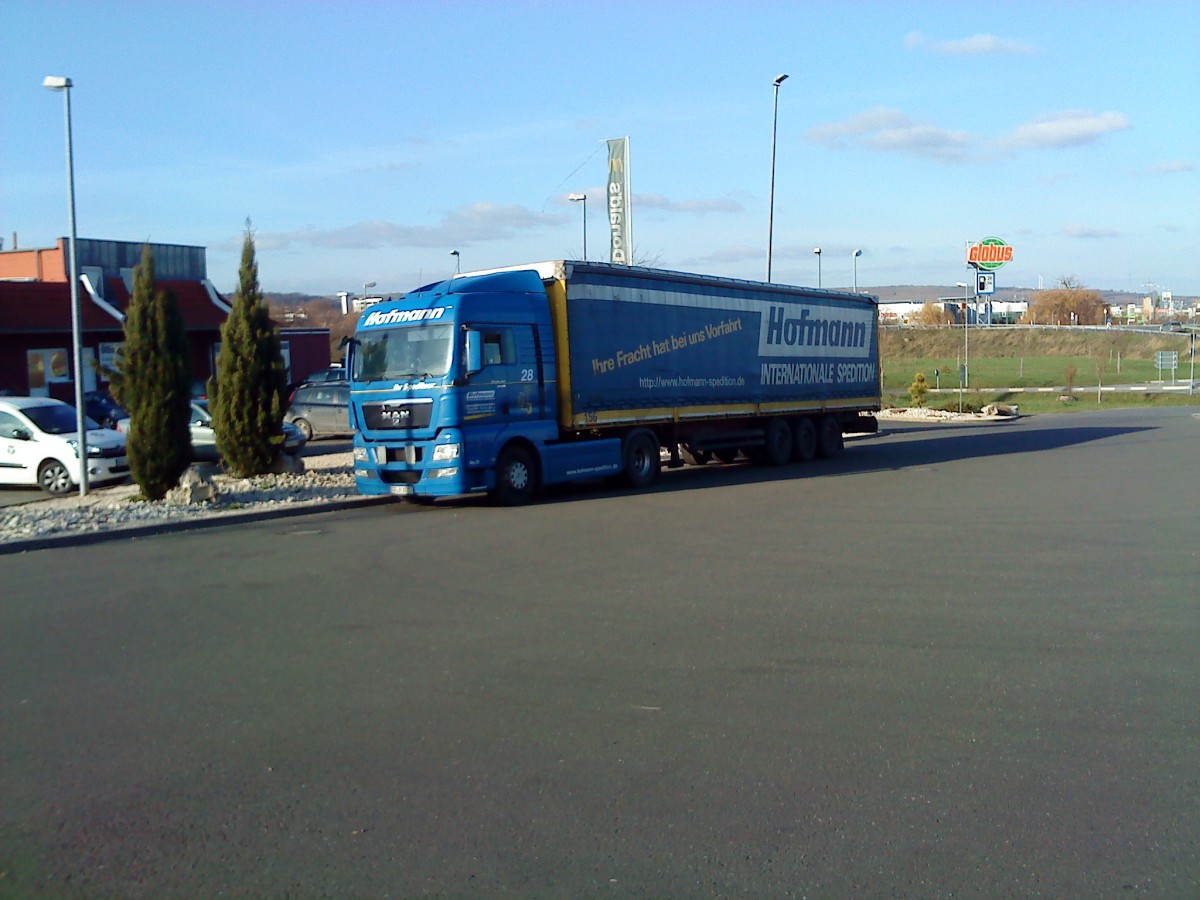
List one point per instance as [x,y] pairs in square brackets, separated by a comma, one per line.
[305,428]
[54,479]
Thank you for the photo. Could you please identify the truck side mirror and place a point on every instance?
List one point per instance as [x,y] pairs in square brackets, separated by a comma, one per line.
[474,351]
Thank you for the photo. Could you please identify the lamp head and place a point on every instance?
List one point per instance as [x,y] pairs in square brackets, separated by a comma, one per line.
[56,82]
[817,250]
[780,79]
[858,253]
[574,198]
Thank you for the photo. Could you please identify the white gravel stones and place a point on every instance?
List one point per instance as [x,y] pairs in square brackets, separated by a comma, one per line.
[327,477]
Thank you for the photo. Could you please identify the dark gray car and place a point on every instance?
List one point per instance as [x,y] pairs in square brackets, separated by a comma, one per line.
[321,409]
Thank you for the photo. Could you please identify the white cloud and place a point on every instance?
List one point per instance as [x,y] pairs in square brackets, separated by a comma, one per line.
[1088,232]
[1172,168]
[1066,129]
[735,254]
[891,130]
[658,201]
[976,45]
[475,223]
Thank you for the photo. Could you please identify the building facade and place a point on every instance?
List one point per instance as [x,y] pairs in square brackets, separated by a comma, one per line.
[36,356]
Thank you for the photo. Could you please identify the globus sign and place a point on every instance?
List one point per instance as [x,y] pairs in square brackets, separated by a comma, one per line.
[989,254]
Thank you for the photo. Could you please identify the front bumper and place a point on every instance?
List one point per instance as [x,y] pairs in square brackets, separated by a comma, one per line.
[429,468]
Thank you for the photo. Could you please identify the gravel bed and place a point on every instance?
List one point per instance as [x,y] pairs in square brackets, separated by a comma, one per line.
[326,478]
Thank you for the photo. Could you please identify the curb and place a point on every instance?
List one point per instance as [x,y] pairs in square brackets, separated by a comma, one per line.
[86,538]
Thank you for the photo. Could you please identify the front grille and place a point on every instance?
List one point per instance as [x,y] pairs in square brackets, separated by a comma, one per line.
[405,477]
[394,415]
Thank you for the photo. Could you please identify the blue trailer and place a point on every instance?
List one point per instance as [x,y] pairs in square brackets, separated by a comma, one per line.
[511,380]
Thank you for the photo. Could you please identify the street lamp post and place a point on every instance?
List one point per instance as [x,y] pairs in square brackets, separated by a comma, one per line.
[965,374]
[457,262]
[60,83]
[857,254]
[817,251]
[575,198]
[771,203]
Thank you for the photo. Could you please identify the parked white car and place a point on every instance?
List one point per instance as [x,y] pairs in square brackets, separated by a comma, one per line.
[39,445]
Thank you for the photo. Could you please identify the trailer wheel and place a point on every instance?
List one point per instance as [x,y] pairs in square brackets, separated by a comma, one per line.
[516,477]
[727,455]
[829,436]
[804,440]
[777,443]
[642,460]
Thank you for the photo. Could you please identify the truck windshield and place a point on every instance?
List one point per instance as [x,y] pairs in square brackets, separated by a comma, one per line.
[405,352]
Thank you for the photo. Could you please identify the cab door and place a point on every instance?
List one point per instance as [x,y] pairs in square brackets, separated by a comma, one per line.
[505,395]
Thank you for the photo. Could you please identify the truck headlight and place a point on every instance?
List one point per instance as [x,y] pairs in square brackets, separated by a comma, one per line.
[444,452]
[442,473]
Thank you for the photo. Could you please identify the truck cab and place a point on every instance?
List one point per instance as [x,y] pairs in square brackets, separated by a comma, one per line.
[453,391]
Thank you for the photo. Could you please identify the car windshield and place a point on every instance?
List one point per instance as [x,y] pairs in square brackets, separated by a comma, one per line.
[56,418]
[403,353]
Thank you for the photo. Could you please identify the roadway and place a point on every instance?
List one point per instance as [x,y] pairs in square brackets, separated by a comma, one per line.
[954,661]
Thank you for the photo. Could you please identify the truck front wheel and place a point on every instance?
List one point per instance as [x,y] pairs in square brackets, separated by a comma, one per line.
[642,459]
[516,477]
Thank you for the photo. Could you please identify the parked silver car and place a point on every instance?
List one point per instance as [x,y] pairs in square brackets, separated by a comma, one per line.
[320,409]
[204,438]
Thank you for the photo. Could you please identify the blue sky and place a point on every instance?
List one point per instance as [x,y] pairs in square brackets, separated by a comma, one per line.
[367,140]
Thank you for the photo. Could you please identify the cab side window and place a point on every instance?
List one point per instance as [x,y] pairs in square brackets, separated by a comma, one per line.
[499,348]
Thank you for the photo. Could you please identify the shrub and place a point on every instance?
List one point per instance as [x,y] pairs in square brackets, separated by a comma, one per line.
[918,389]
[247,398]
[153,382]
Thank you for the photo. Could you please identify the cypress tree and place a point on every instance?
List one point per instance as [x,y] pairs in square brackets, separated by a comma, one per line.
[249,392]
[153,382]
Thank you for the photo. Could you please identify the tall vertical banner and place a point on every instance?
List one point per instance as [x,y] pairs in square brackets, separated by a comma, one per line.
[618,200]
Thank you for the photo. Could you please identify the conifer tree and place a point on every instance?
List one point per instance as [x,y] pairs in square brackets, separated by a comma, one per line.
[153,382]
[248,395]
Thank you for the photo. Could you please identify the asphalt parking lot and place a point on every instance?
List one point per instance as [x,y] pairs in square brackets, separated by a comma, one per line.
[952,662]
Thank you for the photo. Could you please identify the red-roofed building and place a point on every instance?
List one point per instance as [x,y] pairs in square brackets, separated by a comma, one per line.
[35,314]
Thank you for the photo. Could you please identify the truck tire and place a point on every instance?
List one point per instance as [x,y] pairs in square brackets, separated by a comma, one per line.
[642,460]
[829,436]
[777,443]
[727,455]
[516,477]
[804,440]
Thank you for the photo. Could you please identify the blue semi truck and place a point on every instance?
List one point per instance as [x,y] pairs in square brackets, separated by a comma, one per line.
[511,380]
